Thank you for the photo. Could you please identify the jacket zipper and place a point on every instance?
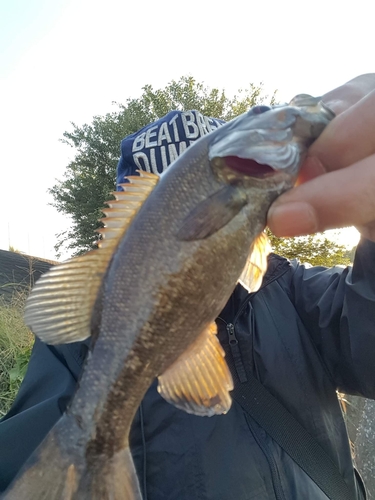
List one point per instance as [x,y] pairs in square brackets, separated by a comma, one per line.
[240,369]
[241,373]
[233,341]
[236,354]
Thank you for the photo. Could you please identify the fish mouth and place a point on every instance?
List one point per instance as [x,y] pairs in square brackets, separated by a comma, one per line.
[246,166]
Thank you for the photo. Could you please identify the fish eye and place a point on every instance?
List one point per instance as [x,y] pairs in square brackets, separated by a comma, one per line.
[257,110]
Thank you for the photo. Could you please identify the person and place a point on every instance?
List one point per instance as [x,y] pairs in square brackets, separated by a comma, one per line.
[306,333]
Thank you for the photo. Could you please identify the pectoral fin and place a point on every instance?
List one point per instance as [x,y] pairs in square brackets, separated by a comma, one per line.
[212,214]
[256,264]
[199,381]
[59,308]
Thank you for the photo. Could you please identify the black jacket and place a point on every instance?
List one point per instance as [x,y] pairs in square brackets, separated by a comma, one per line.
[304,334]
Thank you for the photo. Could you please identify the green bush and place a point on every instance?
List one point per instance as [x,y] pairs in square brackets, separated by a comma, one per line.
[16,342]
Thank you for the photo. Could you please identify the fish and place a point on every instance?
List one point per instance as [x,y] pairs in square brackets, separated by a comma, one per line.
[171,252]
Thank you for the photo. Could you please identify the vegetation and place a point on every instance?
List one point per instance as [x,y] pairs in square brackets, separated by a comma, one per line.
[91,176]
[315,249]
[16,342]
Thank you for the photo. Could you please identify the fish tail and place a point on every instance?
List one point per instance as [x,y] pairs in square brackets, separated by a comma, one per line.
[50,473]
[111,479]
[54,473]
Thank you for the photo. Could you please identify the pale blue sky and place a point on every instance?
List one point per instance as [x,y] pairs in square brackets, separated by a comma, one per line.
[66,60]
[22,23]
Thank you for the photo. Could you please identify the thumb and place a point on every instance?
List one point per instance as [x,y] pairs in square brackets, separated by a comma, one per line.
[337,199]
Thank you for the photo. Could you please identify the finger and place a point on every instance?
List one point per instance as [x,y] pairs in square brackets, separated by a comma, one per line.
[311,168]
[349,137]
[345,96]
[336,199]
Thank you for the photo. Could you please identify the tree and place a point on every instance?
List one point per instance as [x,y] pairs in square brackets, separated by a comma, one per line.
[315,249]
[350,253]
[91,176]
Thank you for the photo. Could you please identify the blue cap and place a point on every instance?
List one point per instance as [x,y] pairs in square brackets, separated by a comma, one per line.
[156,146]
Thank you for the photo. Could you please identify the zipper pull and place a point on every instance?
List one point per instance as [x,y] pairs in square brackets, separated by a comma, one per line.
[236,354]
[231,335]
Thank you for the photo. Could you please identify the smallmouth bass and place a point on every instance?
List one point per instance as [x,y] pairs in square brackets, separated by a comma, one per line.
[172,252]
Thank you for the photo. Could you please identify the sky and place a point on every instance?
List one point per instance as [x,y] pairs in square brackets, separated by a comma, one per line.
[67,61]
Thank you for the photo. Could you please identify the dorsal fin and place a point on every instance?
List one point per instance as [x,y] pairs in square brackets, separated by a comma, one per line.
[59,308]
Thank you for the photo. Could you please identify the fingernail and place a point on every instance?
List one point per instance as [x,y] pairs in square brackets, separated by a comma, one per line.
[292,219]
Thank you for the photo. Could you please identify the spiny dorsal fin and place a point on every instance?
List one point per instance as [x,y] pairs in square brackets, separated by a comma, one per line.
[199,381]
[256,264]
[59,308]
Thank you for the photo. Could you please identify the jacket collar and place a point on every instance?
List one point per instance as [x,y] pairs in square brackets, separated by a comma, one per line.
[276,267]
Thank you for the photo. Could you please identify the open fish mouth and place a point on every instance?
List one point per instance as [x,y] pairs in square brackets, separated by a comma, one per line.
[249,167]
[267,140]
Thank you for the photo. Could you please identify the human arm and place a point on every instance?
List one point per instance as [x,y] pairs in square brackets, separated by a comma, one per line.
[337,306]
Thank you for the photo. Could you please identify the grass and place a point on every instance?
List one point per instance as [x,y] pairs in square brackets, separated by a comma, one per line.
[16,342]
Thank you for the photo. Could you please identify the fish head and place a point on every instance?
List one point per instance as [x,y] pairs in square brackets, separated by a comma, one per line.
[268,143]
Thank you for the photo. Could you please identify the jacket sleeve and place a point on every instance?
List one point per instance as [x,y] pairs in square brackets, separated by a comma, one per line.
[337,306]
[47,388]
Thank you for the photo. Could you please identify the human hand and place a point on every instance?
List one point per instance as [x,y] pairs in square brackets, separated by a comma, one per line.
[345,154]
